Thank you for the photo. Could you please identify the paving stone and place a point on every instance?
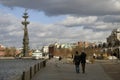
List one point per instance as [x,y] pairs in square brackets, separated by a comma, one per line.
[58,70]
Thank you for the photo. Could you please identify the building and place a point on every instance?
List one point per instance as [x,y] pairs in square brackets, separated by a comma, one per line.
[45,49]
[84,44]
[113,42]
[63,49]
[51,49]
[114,36]
[2,50]
[68,45]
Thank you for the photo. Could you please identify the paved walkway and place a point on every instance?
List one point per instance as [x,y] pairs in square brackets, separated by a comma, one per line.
[57,70]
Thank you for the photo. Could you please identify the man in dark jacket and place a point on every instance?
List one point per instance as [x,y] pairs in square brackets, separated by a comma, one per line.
[76,61]
[83,61]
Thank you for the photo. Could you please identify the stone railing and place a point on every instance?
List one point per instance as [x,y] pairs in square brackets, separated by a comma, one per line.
[20,71]
[28,74]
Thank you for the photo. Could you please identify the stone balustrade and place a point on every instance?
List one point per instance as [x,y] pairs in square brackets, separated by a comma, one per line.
[20,69]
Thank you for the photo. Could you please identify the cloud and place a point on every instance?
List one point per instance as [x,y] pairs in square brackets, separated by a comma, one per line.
[89,28]
[110,18]
[71,21]
[86,20]
[10,30]
[73,7]
[103,23]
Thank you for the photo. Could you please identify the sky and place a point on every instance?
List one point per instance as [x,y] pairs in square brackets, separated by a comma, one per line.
[63,21]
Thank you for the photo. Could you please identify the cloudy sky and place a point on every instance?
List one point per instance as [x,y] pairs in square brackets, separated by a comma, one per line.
[58,21]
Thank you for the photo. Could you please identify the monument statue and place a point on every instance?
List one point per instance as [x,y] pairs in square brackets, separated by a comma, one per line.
[25,37]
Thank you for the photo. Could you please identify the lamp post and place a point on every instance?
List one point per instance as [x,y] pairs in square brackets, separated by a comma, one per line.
[84,46]
[118,55]
[25,38]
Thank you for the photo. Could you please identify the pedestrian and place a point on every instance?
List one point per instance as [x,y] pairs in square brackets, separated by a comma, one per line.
[60,58]
[83,61]
[76,61]
[94,56]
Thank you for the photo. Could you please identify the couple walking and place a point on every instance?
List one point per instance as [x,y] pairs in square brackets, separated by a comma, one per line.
[80,59]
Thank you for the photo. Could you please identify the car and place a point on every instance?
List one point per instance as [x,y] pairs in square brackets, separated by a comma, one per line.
[37,55]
